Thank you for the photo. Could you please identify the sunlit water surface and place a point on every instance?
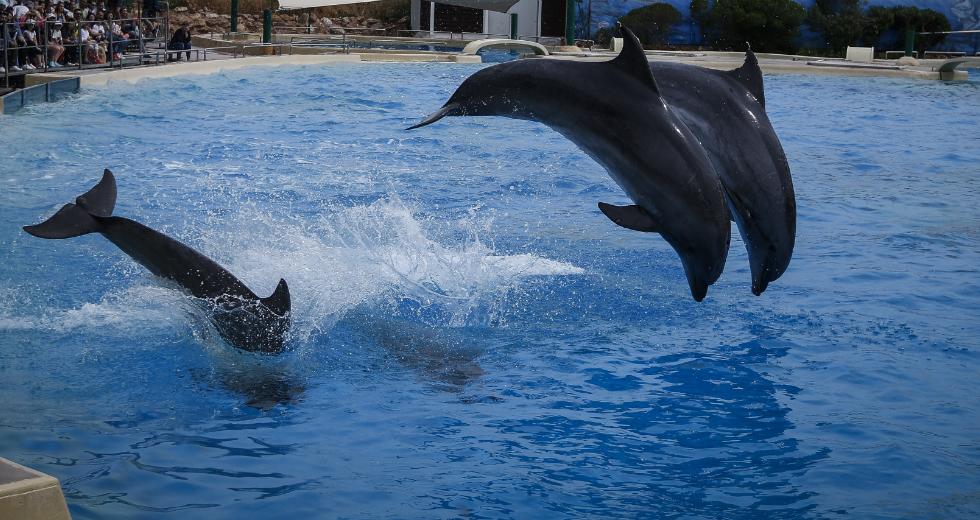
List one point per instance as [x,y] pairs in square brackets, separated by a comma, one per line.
[472,338]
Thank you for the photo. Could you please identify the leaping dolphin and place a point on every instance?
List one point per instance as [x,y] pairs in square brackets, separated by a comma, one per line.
[634,134]
[242,318]
[726,111]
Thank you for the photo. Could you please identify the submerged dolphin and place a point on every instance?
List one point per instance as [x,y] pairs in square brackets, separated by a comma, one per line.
[242,318]
[726,111]
[634,134]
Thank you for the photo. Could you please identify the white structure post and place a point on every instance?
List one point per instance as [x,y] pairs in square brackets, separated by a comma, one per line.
[432,19]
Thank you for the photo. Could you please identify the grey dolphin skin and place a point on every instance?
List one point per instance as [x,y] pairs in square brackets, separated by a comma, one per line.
[242,318]
[634,134]
[726,111]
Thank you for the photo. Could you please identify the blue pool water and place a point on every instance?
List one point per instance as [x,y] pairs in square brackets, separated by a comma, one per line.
[472,337]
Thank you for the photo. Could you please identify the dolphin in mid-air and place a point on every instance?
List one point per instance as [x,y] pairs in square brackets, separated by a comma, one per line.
[241,318]
[726,111]
[616,113]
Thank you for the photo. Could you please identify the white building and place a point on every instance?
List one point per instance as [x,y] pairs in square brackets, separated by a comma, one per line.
[535,18]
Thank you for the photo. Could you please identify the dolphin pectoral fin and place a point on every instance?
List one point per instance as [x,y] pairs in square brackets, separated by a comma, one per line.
[70,221]
[435,116]
[750,76]
[630,217]
[279,301]
[633,61]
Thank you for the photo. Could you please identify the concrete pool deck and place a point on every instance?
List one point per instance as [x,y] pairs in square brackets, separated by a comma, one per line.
[783,63]
[101,77]
[770,63]
[27,494]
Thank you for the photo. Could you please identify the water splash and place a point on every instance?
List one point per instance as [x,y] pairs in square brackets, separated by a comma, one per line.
[382,254]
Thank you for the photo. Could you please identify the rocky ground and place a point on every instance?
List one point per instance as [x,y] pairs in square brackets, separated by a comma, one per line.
[203,22]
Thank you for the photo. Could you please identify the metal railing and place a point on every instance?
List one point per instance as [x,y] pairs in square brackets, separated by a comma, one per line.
[338,41]
[31,47]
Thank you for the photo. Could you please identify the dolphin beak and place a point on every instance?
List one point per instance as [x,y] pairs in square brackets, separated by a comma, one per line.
[437,115]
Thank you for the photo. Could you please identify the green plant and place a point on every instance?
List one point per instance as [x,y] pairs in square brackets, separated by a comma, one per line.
[769,25]
[652,23]
[841,22]
[878,20]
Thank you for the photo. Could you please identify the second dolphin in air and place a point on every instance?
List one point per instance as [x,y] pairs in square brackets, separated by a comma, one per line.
[635,135]
[726,111]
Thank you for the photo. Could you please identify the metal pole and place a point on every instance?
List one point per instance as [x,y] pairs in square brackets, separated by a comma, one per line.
[234,16]
[569,22]
[432,19]
[909,42]
[267,26]
[513,26]
[6,62]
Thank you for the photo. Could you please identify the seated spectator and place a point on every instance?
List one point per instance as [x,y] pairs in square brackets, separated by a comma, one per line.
[181,40]
[130,28]
[55,47]
[69,37]
[117,40]
[95,50]
[30,52]
[8,38]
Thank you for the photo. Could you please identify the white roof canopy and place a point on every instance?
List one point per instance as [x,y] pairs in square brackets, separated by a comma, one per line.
[490,5]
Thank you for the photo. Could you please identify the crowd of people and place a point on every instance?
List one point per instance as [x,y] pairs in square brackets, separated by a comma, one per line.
[57,33]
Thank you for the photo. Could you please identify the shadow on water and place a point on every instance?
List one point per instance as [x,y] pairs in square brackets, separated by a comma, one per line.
[444,358]
[262,386]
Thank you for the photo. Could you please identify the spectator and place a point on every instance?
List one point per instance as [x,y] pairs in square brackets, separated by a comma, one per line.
[95,51]
[30,52]
[9,40]
[117,40]
[20,11]
[130,28]
[55,47]
[181,40]
[69,36]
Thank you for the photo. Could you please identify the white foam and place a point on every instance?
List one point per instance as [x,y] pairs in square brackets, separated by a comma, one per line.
[342,259]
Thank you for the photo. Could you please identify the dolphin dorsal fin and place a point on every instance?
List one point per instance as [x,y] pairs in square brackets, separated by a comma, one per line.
[101,199]
[750,75]
[278,302]
[633,61]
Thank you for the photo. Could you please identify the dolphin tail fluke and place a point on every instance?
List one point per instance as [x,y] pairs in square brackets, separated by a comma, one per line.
[70,221]
[101,199]
[78,219]
[279,301]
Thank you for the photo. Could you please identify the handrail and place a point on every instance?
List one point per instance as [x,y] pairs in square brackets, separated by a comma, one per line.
[110,42]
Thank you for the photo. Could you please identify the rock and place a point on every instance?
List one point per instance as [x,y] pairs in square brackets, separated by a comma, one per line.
[210,15]
[180,9]
[907,60]
[326,22]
